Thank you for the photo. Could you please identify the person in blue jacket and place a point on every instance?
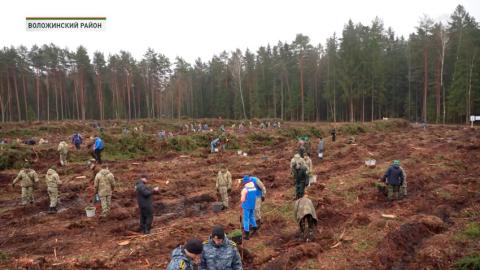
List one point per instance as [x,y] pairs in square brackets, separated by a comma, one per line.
[248,197]
[77,140]
[214,144]
[261,193]
[97,149]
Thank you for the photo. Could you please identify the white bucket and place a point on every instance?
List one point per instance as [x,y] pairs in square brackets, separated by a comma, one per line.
[320,155]
[244,154]
[370,162]
[216,150]
[90,211]
[239,152]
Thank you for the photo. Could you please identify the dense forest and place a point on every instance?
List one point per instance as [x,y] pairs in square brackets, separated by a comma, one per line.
[364,73]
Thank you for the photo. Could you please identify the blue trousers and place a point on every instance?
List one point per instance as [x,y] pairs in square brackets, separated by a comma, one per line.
[249,219]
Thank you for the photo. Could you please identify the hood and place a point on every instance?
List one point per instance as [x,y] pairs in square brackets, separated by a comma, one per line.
[51,171]
[104,171]
[396,166]
[296,156]
[178,252]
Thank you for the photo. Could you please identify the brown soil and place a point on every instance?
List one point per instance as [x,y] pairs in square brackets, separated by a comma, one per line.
[443,169]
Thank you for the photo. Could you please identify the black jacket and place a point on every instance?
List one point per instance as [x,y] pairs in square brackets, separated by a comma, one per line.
[144,195]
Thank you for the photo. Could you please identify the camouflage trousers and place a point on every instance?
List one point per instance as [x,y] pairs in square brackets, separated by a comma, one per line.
[27,195]
[63,159]
[105,200]
[258,209]
[53,194]
[224,195]
[393,191]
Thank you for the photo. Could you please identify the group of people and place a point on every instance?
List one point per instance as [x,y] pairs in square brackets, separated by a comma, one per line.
[196,127]
[96,147]
[218,252]
[28,179]
[103,182]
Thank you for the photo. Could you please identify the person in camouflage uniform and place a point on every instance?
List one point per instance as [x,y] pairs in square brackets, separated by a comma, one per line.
[224,185]
[261,193]
[28,179]
[309,166]
[186,257]
[306,217]
[220,253]
[308,163]
[104,184]
[296,163]
[52,180]
[63,150]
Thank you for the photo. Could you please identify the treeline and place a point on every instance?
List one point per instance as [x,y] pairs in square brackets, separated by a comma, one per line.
[366,73]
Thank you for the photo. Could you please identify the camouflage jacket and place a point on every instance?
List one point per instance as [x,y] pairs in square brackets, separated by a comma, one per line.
[52,179]
[104,183]
[297,162]
[27,177]
[223,257]
[62,147]
[224,179]
[308,164]
[303,207]
[179,261]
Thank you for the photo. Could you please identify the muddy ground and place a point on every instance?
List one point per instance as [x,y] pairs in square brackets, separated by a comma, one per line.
[428,231]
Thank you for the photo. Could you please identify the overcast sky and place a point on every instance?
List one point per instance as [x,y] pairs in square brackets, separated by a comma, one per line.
[202,28]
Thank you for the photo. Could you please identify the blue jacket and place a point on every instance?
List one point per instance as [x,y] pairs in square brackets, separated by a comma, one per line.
[179,261]
[215,142]
[250,199]
[77,139]
[98,144]
[223,257]
[394,176]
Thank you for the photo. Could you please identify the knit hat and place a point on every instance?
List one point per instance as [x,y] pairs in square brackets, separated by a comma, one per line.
[218,232]
[194,246]
[246,179]
[396,162]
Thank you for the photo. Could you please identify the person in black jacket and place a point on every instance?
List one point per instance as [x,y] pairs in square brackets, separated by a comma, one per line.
[144,198]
